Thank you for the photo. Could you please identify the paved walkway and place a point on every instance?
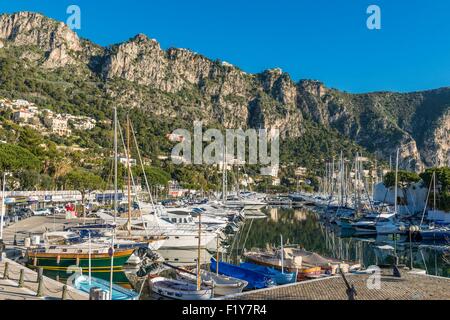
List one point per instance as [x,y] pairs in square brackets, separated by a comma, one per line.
[37,225]
[51,289]
[10,291]
[409,287]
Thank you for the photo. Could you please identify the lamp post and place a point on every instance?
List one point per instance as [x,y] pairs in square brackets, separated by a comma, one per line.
[2,244]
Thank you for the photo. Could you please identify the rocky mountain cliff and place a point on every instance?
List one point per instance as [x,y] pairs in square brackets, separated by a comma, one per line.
[181,84]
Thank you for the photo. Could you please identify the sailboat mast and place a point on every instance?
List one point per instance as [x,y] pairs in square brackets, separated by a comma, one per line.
[199,279]
[396,180]
[111,274]
[282,254]
[90,260]
[225,176]
[115,164]
[217,256]
[3,207]
[129,177]
[434,188]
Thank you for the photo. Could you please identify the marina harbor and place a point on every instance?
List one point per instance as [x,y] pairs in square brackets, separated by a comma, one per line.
[224,158]
[231,244]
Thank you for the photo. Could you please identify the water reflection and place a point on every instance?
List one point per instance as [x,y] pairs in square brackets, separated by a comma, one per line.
[119,277]
[303,228]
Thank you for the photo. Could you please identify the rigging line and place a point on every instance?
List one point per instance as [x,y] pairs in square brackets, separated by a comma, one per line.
[144,173]
[132,180]
[424,262]
[426,204]
[248,232]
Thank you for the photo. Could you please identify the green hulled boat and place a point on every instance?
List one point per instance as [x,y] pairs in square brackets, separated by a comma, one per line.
[61,258]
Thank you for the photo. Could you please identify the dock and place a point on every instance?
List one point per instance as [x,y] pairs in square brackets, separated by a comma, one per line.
[411,286]
[11,289]
[37,225]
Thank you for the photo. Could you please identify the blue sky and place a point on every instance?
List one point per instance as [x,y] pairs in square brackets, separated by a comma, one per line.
[325,40]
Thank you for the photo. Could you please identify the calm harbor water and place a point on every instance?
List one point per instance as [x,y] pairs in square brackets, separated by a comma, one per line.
[302,227]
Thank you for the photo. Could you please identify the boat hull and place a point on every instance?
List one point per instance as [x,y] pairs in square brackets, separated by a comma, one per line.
[223,285]
[187,241]
[61,262]
[82,283]
[179,290]
[255,280]
[278,277]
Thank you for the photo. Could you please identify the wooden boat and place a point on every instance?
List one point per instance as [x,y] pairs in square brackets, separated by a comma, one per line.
[309,273]
[179,290]
[313,260]
[85,284]
[305,262]
[223,285]
[278,277]
[62,257]
[273,259]
[255,280]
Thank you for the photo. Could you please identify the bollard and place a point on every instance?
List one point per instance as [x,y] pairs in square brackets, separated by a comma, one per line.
[98,294]
[40,273]
[21,278]
[15,240]
[6,272]
[40,287]
[64,293]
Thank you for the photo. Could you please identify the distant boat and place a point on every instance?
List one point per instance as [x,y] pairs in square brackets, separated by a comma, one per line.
[179,290]
[255,280]
[223,285]
[278,277]
[437,234]
[85,284]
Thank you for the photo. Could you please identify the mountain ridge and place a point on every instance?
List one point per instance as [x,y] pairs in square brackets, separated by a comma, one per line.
[139,73]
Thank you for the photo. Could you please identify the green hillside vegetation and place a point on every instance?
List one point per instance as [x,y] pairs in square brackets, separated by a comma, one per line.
[78,91]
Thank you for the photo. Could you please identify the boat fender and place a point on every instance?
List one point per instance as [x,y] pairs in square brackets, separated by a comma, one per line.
[58,260]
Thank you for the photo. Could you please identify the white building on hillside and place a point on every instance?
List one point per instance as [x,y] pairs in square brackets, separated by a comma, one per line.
[415,201]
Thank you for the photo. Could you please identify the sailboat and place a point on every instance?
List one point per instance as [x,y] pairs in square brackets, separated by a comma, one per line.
[181,289]
[86,284]
[434,233]
[279,277]
[223,285]
[150,224]
[61,257]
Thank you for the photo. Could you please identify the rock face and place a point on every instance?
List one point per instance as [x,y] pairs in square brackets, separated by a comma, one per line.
[30,29]
[178,83]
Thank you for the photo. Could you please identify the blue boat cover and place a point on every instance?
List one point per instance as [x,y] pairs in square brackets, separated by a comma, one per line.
[277,276]
[255,280]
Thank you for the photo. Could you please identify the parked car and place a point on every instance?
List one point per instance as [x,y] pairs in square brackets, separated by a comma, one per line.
[42,212]
[57,210]
[22,213]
